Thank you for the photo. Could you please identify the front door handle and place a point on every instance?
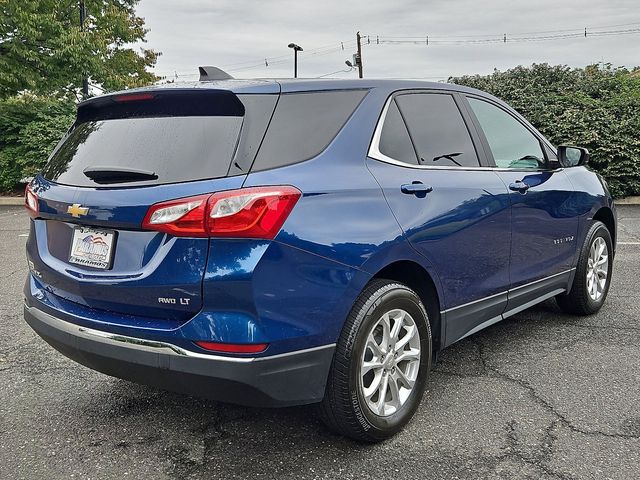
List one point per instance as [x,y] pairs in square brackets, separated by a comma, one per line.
[519,186]
[416,188]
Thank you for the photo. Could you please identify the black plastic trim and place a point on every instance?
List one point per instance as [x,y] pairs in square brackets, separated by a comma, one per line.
[295,378]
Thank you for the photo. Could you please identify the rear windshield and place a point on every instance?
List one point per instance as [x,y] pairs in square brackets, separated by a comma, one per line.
[174,149]
[175,137]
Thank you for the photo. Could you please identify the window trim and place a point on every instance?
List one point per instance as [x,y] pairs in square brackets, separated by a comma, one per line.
[393,101]
[374,147]
[478,137]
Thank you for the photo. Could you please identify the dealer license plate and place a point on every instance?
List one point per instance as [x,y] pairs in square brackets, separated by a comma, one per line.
[92,247]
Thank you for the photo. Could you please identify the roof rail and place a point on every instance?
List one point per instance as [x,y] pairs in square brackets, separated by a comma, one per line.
[213,73]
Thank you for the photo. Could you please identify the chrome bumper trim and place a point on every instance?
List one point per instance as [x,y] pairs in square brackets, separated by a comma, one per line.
[141,344]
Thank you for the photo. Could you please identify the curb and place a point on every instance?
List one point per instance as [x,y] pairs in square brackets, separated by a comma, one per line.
[628,201]
[7,201]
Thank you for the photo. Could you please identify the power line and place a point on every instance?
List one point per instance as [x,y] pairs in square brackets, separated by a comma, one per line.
[337,71]
[539,32]
[275,60]
[500,38]
[430,40]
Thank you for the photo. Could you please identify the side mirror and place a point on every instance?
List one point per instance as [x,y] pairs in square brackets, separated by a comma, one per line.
[572,156]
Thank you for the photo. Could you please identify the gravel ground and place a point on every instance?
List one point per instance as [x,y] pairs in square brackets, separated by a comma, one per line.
[540,395]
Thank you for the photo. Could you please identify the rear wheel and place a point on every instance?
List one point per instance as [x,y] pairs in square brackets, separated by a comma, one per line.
[381,364]
[593,274]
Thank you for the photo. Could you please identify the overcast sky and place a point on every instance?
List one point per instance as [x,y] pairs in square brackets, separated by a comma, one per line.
[237,34]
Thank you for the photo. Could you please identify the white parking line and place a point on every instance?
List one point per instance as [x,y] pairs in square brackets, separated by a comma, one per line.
[628,243]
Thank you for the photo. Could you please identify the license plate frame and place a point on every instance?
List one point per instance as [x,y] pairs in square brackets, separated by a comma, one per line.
[92,247]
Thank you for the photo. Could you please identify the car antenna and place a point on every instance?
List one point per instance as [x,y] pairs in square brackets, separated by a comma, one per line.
[213,73]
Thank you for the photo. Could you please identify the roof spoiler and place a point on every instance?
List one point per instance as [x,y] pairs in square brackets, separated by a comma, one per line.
[213,73]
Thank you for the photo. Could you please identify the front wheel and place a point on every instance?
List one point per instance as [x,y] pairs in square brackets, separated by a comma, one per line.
[381,364]
[593,274]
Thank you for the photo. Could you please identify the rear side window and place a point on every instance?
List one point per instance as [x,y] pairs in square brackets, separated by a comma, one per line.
[174,137]
[304,124]
[394,137]
[438,130]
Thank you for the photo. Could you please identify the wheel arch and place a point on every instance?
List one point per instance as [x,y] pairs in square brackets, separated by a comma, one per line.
[606,216]
[416,277]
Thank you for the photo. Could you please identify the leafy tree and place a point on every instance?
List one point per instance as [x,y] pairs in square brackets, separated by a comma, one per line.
[597,107]
[30,127]
[44,50]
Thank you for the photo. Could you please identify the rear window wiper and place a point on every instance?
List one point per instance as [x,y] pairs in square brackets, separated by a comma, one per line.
[118,174]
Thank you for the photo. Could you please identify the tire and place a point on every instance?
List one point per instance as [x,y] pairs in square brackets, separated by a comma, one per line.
[346,409]
[581,299]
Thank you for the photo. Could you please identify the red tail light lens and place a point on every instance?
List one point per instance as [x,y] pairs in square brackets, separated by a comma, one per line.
[184,217]
[134,97]
[257,212]
[233,347]
[31,202]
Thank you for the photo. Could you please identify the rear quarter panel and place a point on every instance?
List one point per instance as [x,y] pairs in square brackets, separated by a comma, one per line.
[343,219]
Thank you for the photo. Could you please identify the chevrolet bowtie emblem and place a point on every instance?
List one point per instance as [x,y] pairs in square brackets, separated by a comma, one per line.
[76,210]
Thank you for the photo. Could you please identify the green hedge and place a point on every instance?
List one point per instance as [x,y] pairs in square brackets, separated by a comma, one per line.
[597,107]
[30,127]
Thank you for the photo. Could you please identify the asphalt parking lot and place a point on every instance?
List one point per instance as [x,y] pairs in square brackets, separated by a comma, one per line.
[541,395]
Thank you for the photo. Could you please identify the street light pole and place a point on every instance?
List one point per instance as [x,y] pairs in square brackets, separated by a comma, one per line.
[296,49]
[358,40]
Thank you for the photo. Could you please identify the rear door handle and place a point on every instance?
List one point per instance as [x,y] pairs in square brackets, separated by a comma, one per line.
[519,186]
[416,188]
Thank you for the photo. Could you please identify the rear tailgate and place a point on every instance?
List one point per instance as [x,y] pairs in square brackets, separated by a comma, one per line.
[86,243]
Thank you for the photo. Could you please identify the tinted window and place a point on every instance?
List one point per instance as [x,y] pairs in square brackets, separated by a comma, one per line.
[304,124]
[258,111]
[394,138]
[512,144]
[175,149]
[438,130]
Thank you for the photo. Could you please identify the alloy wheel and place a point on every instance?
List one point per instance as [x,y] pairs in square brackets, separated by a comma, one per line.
[390,362]
[597,269]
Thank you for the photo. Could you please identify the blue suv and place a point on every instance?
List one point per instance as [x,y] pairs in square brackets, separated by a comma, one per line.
[275,243]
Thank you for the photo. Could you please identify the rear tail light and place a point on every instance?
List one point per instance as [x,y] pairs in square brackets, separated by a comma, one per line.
[134,97]
[31,201]
[252,212]
[257,212]
[233,347]
[183,217]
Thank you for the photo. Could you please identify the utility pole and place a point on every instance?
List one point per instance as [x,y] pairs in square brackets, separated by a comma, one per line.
[85,79]
[359,55]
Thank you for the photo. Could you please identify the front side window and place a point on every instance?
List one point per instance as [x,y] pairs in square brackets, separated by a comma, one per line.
[438,130]
[512,144]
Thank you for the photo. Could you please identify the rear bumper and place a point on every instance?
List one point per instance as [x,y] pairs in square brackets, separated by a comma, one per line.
[294,378]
